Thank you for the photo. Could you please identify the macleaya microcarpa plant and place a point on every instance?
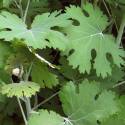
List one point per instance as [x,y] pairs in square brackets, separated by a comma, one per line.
[69,58]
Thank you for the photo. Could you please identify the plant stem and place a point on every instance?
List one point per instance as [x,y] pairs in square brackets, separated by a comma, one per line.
[26,11]
[28,107]
[19,6]
[21,108]
[121,31]
[35,100]
[46,100]
[119,84]
[107,9]
[29,71]
[41,58]
[82,3]
[27,100]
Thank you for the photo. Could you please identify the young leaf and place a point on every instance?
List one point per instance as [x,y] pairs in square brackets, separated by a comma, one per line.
[85,104]
[43,117]
[87,35]
[40,74]
[41,33]
[20,89]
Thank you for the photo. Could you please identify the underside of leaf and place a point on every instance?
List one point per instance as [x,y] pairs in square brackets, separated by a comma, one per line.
[44,117]
[21,89]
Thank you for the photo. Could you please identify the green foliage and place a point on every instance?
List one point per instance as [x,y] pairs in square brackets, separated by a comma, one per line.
[20,89]
[113,121]
[88,36]
[64,57]
[5,51]
[35,36]
[43,117]
[40,74]
[85,104]
[119,118]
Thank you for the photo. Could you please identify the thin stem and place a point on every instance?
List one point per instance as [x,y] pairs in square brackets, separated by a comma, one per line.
[107,8]
[42,59]
[82,3]
[28,107]
[26,11]
[114,18]
[21,108]
[29,71]
[119,84]
[19,6]
[35,100]
[27,100]
[46,100]
[121,31]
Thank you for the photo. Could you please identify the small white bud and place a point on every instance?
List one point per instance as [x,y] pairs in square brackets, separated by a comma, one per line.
[16,71]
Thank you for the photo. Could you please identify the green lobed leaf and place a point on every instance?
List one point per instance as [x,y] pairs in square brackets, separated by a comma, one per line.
[110,81]
[41,33]
[43,117]
[88,35]
[41,74]
[84,104]
[20,89]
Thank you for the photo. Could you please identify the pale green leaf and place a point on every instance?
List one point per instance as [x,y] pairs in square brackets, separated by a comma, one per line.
[84,104]
[44,117]
[89,35]
[20,89]
[41,33]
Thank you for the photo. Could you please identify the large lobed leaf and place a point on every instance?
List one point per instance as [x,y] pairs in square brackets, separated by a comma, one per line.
[41,33]
[84,104]
[43,117]
[87,34]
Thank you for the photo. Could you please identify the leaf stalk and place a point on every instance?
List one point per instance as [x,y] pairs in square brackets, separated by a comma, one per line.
[22,111]
[121,31]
